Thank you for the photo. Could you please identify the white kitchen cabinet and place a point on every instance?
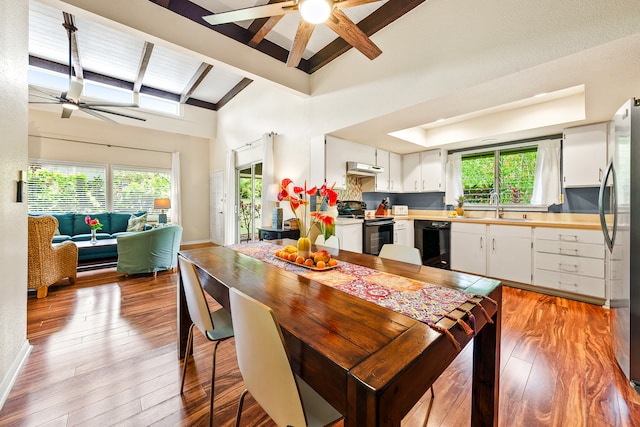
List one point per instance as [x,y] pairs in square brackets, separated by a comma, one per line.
[509,252]
[336,155]
[499,251]
[469,248]
[350,236]
[570,260]
[391,178]
[584,155]
[401,232]
[424,171]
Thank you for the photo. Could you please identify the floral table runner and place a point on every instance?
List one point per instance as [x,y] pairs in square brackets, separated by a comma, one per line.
[425,302]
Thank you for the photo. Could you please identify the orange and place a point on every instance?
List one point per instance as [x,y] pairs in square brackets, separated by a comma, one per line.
[299,259]
[308,262]
[332,262]
[293,256]
[321,264]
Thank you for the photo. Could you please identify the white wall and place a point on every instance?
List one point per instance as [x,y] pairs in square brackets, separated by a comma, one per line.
[53,138]
[13,216]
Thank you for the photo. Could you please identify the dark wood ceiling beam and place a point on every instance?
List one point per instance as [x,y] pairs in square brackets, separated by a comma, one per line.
[195,81]
[233,92]
[142,67]
[380,18]
[72,34]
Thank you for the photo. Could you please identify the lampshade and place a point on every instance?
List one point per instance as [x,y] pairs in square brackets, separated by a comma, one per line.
[314,11]
[272,192]
[162,203]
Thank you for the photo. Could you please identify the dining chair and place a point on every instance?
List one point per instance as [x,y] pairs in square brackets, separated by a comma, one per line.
[216,326]
[401,253]
[412,256]
[266,370]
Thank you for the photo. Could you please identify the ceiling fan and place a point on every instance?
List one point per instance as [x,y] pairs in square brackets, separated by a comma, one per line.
[70,99]
[312,12]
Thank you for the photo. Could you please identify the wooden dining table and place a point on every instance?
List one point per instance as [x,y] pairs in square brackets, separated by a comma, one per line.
[371,363]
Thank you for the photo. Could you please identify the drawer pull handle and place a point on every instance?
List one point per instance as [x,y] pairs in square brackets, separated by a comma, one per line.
[568,237]
[573,285]
[568,267]
[563,251]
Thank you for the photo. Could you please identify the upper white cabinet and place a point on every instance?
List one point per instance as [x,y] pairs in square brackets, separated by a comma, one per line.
[584,155]
[424,171]
[329,156]
[391,178]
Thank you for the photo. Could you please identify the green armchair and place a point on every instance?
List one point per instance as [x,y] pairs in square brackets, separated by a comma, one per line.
[149,251]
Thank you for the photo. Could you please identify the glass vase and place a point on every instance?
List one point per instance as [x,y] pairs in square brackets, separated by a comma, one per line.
[94,239]
[304,247]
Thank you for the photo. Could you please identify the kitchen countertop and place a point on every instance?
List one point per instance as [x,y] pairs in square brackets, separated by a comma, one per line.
[534,219]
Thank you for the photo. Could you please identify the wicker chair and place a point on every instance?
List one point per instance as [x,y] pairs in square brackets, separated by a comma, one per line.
[48,264]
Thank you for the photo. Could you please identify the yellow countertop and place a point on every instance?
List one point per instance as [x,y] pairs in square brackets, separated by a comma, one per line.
[533,219]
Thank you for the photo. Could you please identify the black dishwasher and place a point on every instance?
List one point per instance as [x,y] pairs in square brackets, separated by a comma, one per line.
[433,239]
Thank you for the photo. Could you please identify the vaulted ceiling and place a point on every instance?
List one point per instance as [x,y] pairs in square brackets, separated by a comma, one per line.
[105,55]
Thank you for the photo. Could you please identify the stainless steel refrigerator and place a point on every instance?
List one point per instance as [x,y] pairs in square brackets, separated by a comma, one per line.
[620,219]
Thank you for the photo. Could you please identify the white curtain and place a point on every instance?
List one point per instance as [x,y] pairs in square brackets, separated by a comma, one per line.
[453,179]
[176,203]
[546,182]
[230,217]
[268,178]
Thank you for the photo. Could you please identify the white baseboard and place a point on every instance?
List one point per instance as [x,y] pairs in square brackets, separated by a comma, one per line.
[12,375]
[195,242]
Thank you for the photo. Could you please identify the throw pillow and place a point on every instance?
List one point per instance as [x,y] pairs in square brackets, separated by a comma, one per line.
[137,223]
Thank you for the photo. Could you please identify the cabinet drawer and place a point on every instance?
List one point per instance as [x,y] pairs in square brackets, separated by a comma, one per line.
[468,228]
[570,235]
[569,282]
[570,248]
[570,264]
[510,231]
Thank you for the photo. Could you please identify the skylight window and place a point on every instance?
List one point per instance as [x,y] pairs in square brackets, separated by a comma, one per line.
[160,105]
[107,93]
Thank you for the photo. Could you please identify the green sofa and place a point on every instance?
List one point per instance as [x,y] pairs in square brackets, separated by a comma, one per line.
[71,227]
[149,251]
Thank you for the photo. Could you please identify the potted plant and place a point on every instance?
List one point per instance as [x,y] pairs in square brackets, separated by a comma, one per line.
[459,209]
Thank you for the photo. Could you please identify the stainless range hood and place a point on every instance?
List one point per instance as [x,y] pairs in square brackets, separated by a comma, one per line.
[363,169]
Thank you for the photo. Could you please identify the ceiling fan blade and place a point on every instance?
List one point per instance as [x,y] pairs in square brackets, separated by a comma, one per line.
[75,90]
[85,109]
[99,116]
[264,30]
[107,104]
[351,3]
[352,34]
[66,113]
[271,9]
[49,97]
[303,35]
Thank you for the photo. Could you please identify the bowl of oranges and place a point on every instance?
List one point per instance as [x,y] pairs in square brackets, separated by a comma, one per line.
[319,260]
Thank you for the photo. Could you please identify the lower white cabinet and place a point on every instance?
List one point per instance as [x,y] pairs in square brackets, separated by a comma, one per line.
[500,251]
[469,248]
[401,232]
[350,236]
[509,252]
[570,260]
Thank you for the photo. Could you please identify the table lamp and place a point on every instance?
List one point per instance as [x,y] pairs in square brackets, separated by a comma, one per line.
[276,216]
[162,204]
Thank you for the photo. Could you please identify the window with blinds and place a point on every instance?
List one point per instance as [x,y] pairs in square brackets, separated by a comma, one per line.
[134,190]
[509,171]
[63,187]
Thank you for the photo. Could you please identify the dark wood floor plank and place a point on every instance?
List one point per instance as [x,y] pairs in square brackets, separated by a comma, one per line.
[104,353]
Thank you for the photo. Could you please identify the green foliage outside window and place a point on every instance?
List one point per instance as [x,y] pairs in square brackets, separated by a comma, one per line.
[70,190]
[135,190]
[513,176]
[250,208]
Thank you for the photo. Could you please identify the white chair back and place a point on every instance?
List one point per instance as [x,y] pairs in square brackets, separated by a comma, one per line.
[196,301]
[401,253]
[263,360]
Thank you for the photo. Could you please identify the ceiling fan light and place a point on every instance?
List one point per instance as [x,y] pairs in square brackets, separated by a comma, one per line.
[69,105]
[314,11]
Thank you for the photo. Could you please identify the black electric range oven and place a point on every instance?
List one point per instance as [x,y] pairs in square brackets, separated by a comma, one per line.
[375,231]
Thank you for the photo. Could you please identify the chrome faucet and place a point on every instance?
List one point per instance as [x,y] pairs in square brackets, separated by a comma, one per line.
[494,197]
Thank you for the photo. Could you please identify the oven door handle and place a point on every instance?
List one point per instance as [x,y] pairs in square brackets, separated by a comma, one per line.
[376,223]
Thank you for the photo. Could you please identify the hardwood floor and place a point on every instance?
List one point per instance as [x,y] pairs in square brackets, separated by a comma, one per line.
[104,353]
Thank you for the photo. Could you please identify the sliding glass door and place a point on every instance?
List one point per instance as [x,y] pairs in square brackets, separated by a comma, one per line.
[249,179]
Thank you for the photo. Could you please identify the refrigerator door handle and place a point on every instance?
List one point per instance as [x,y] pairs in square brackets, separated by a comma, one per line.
[608,237]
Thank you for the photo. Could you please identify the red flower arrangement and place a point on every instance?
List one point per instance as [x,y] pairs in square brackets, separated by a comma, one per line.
[299,197]
[93,224]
